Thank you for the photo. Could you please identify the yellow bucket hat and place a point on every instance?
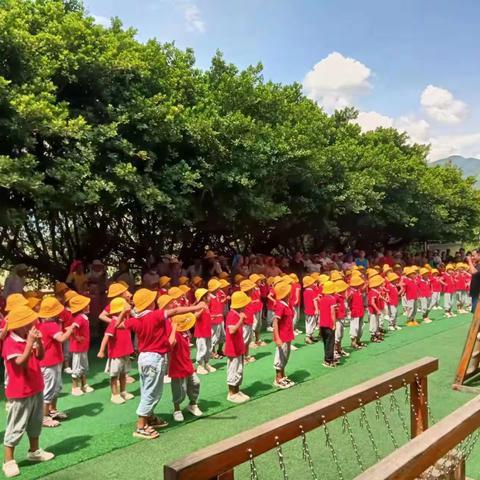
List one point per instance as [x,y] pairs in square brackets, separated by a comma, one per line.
[60,288]
[356,281]
[70,294]
[143,298]
[213,284]
[308,281]
[223,275]
[386,268]
[163,301]
[175,292]
[447,268]
[33,302]
[255,277]
[246,285]
[163,281]
[375,281]
[15,300]
[341,286]
[20,316]
[197,280]
[117,305]
[238,278]
[323,278]
[240,300]
[328,288]
[282,290]
[200,293]
[392,277]
[184,322]
[78,303]
[184,288]
[424,271]
[294,277]
[182,280]
[224,283]
[116,289]
[335,275]
[50,308]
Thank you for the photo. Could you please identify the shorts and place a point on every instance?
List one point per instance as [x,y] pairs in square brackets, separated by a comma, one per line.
[235,371]
[247,334]
[118,366]
[282,354]
[79,364]
[52,379]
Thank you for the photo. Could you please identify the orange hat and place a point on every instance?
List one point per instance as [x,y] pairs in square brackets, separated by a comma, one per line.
[116,289]
[238,278]
[386,268]
[78,303]
[282,290]
[163,301]
[50,308]
[143,298]
[224,283]
[15,300]
[223,275]
[33,302]
[60,288]
[20,317]
[182,280]
[240,300]
[69,294]
[197,280]
[294,277]
[163,281]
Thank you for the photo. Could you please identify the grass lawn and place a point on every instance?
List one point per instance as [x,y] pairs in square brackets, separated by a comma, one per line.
[97,439]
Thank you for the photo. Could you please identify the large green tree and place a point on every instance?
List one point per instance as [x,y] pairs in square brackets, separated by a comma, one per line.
[110,147]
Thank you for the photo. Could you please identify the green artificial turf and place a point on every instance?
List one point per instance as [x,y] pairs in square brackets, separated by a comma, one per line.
[97,439]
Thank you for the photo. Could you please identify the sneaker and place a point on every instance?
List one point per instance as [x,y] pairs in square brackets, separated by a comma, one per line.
[249,359]
[127,395]
[88,389]
[328,365]
[58,415]
[427,320]
[201,370]
[68,370]
[244,395]
[129,380]
[235,398]
[343,353]
[392,329]
[167,379]
[194,410]
[40,456]
[178,416]
[50,422]
[117,399]
[77,392]
[397,327]
[269,329]
[10,469]
[411,323]
[210,369]
[293,348]
[298,332]
[282,384]
[291,382]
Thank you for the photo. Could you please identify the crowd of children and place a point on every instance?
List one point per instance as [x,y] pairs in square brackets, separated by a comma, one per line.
[223,317]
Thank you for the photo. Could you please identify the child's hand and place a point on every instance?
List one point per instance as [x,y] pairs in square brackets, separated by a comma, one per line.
[101,354]
[278,342]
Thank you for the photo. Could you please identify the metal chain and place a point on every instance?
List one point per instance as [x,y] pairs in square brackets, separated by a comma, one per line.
[379,409]
[347,428]
[422,394]
[253,467]
[395,406]
[328,442]
[281,461]
[471,446]
[364,422]
[407,400]
[306,454]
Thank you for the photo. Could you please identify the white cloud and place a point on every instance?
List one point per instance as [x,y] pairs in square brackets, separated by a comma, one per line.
[467,145]
[335,80]
[441,105]
[101,20]
[373,120]
[193,17]
[417,129]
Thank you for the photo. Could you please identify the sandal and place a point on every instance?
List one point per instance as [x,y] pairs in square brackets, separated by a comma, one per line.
[50,422]
[156,422]
[146,433]
[58,415]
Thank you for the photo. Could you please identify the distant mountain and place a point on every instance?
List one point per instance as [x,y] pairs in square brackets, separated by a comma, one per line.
[469,166]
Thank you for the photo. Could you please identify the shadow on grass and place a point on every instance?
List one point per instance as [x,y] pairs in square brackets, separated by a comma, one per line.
[259,355]
[88,410]
[300,376]
[256,388]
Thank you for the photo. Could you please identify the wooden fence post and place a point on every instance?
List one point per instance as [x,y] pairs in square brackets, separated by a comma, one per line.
[419,414]
[225,476]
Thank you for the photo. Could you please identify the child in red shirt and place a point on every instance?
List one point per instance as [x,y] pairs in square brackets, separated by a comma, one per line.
[271,301]
[392,299]
[436,289]
[283,334]
[341,288]
[310,307]
[410,288]
[449,288]
[235,347]
[185,382]
[257,308]
[203,335]
[327,306]
[80,344]
[375,306]
[51,363]
[424,293]
[216,307]
[22,352]
[295,298]
[357,311]
[118,342]
[248,287]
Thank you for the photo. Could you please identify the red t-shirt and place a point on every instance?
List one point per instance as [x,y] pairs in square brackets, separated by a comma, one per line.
[23,380]
[256,300]
[357,309]
[296,287]
[249,314]
[392,294]
[119,340]
[53,348]
[203,325]
[66,318]
[411,289]
[152,329]
[449,283]
[234,344]
[460,282]
[373,297]
[325,310]
[436,285]
[82,329]
[216,308]
[180,364]
[263,290]
[309,296]
[341,311]
[424,288]
[285,314]
[270,303]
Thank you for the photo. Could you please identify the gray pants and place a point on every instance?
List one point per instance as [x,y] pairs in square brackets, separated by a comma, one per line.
[235,371]
[185,387]
[247,334]
[117,366]
[270,315]
[463,299]
[392,315]
[23,415]
[257,322]
[296,316]
[435,300]
[282,355]
[218,335]
[374,324]
[356,328]
[204,348]
[339,328]
[311,321]
[52,380]
[151,366]
[424,306]
[449,301]
[411,306]
[79,364]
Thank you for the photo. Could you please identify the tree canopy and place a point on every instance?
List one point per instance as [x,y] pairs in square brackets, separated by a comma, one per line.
[110,147]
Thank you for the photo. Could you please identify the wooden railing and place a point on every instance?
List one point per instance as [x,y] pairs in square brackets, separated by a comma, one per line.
[413,458]
[219,460]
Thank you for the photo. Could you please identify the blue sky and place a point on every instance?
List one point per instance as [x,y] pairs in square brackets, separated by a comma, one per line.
[411,64]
